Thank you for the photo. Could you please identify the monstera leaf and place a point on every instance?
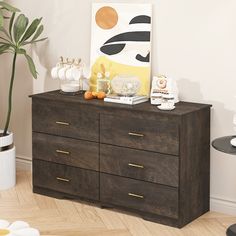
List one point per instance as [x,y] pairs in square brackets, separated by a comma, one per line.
[20,26]
[5,7]
[19,34]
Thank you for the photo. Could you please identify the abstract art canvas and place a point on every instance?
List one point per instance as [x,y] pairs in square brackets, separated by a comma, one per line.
[121,42]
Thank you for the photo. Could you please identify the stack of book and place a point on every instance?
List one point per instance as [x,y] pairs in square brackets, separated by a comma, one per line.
[125,100]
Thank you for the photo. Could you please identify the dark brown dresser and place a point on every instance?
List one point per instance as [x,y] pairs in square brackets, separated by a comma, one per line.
[135,158]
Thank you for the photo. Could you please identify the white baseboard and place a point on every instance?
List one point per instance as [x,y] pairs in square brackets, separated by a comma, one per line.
[23,164]
[217,204]
[225,206]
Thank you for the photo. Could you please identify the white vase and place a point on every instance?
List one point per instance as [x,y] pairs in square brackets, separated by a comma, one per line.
[7,162]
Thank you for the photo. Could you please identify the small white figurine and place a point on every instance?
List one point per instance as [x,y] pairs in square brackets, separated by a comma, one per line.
[233,140]
[162,85]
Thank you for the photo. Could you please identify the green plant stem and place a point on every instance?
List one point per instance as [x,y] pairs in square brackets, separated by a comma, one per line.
[10,95]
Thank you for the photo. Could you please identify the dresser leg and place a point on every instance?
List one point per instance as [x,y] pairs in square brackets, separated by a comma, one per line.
[50,193]
[148,218]
[105,206]
[231,231]
[162,220]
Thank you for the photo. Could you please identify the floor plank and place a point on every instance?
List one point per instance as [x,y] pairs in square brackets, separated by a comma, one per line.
[71,218]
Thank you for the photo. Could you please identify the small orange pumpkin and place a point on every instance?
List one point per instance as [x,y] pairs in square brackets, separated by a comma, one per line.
[88,95]
[101,95]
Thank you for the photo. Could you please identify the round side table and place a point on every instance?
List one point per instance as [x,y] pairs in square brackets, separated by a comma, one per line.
[223,145]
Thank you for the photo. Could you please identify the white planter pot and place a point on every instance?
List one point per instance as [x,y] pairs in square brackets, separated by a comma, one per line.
[6,140]
[7,163]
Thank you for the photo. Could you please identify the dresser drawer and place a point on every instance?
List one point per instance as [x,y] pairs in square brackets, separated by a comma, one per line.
[68,120]
[65,179]
[73,152]
[139,195]
[142,165]
[144,134]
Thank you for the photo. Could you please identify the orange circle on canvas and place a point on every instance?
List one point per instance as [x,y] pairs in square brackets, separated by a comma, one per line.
[4,232]
[106,17]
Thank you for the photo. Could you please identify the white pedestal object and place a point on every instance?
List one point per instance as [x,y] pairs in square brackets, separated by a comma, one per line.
[7,162]
[233,142]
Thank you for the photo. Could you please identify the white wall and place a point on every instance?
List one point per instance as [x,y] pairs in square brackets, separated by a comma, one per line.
[193,41]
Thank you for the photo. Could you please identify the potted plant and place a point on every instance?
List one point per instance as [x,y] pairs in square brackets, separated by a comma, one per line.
[19,34]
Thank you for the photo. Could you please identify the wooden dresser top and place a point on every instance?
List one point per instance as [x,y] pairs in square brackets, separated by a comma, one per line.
[182,108]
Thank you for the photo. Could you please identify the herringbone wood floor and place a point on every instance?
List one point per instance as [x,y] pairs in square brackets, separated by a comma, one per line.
[62,217]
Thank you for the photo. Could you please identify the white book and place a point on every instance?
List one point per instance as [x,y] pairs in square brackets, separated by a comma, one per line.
[126,100]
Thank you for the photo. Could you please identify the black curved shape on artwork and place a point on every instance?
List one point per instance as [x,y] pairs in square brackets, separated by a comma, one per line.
[142,19]
[142,58]
[112,49]
[136,36]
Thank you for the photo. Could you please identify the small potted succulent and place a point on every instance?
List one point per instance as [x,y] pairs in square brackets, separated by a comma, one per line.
[13,40]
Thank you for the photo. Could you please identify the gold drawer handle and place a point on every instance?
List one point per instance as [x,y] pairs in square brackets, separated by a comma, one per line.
[136,166]
[136,134]
[136,195]
[63,180]
[63,152]
[62,123]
